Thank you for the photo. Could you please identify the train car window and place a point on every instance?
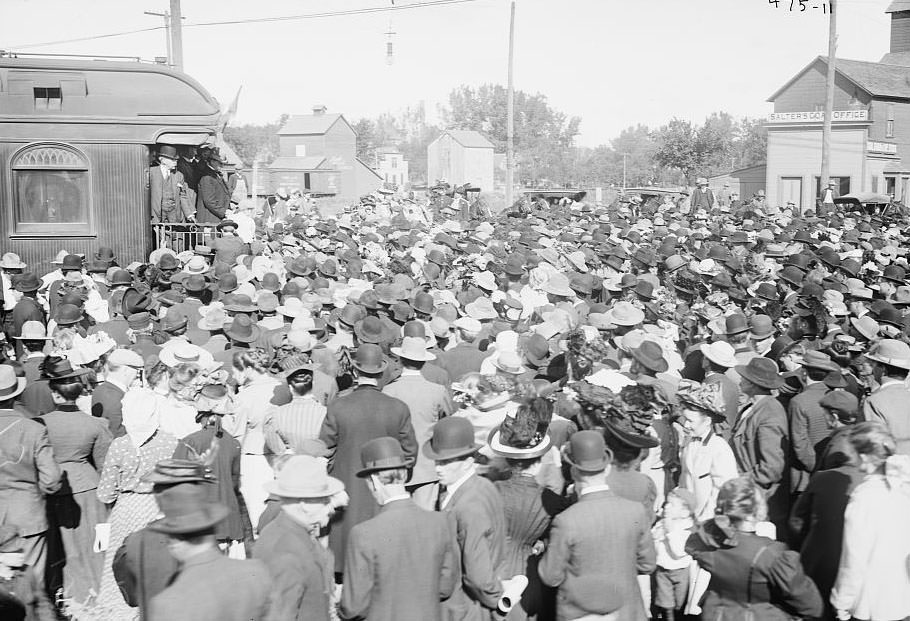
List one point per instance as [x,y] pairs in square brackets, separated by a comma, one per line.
[51,192]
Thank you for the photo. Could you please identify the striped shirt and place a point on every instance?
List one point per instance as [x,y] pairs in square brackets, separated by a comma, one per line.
[291,424]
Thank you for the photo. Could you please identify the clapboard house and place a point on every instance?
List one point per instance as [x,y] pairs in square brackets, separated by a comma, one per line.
[870,138]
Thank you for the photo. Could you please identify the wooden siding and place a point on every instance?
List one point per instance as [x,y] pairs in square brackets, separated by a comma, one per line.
[900,32]
[797,153]
[120,205]
[809,90]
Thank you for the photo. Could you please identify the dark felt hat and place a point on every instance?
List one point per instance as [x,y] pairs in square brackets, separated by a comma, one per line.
[379,454]
[587,451]
[452,437]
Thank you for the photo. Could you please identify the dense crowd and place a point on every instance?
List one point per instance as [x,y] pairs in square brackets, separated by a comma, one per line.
[417,409]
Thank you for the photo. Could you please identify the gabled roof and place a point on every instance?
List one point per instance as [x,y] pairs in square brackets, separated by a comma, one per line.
[311,162]
[308,124]
[877,79]
[898,6]
[365,166]
[469,139]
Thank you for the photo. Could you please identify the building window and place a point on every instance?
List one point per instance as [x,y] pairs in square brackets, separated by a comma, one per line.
[875,184]
[300,150]
[51,192]
[306,180]
[889,129]
[890,184]
[394,162]
[48,98]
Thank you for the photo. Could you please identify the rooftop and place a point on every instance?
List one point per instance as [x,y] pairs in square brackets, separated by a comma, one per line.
[877,79]
[308,124]
[898,6]
[469,138]
[311,162]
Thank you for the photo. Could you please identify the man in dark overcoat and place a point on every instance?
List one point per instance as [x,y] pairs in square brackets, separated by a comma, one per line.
[599,545]
[214,196]
[401,564]
[351,421]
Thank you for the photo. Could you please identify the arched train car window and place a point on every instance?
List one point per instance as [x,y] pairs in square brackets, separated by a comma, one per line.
[51,191]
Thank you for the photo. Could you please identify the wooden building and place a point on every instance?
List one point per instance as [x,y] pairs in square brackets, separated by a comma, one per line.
[744,181]
[870,138]
[317,153]
[459,157]
[75,144]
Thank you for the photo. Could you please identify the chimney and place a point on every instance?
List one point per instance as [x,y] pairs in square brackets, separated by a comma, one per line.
[319,110]
[900,26]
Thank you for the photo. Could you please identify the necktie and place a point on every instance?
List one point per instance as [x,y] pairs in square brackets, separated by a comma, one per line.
[440,499]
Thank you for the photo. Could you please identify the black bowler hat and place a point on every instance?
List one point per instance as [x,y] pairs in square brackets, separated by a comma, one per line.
[587,452]
[453,437]
[381,454]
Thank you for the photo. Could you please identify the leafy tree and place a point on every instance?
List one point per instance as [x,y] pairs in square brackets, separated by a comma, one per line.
[251,140]
[367,141]
[676,147]
[750,144]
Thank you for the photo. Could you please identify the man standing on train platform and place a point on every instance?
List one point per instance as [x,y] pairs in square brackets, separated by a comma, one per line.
[168,190]
[702,197]
[214,198]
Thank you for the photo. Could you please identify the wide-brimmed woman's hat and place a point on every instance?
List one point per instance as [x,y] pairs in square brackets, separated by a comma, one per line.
[452,437]
[523,435]
[705,397]
[304,476]
[179,352]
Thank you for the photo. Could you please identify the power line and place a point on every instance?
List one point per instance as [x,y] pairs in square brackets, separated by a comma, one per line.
[255,20]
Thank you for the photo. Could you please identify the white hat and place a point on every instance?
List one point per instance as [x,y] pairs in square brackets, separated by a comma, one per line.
[720,352]
[413,348]
[468,324]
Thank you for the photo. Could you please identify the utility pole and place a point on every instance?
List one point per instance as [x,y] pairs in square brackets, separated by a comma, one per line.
[829,102]
[167,30]
[510,104]
[624,172]
[176,33]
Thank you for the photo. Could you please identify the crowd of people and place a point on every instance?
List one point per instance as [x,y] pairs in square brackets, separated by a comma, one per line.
[418,409]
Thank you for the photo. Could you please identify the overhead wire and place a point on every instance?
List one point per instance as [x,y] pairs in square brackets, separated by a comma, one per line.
[255,20]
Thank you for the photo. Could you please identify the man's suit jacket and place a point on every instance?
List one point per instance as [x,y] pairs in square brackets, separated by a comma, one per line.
[597,548]
[212,586]
[213,198]
[174,186]
[107,403]
[481,530]
[400,565]
[808,427]
[26,309]
[301,571]
[350,421]
[889,405]
[461,359]
[143,568]
[759,442]
[427,402]
[28,472]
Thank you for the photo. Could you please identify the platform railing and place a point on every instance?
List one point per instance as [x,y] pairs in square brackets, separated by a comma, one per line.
[183,236]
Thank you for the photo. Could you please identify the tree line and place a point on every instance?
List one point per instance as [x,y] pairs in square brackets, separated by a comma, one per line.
[545,150]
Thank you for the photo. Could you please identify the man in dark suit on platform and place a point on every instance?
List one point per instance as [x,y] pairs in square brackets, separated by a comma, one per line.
[214,197]
[402,563]
[167,190]
[479,517]
[599,545]
[350,422]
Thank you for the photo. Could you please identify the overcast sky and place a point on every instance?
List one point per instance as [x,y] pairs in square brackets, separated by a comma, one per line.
[614,63]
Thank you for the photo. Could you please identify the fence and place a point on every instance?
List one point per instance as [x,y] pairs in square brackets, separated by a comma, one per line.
[180,237]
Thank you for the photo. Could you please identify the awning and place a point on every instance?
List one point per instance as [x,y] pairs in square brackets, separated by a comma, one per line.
[185,139]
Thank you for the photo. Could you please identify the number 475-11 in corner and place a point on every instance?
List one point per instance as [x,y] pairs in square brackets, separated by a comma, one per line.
[801,5]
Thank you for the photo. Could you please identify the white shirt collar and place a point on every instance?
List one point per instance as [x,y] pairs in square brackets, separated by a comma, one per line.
[594,488]
[404,496]
[451,489]
[367,381]
[411,372]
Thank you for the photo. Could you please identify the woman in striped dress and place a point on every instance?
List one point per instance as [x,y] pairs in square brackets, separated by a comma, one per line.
[122,485]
